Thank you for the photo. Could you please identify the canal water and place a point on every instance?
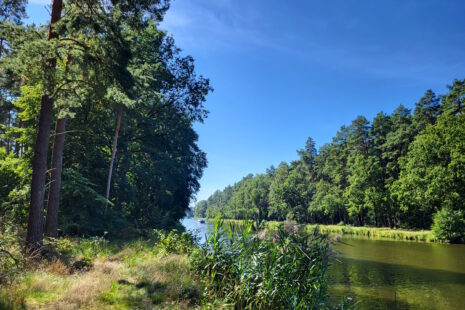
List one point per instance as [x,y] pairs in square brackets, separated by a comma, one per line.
[385,274]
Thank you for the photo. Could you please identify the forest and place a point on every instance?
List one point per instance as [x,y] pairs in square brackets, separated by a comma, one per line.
[100,163]
[401,170]
[95,108]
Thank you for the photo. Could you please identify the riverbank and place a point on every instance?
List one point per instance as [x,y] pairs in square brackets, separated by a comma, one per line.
[367,232]
[170,271]
[378,232]
[93,274]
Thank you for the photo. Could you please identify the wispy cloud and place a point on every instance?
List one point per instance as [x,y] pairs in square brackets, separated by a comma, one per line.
[336,41]
[215,25]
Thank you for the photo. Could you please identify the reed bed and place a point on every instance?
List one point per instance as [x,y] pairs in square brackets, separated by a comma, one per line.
[364,231]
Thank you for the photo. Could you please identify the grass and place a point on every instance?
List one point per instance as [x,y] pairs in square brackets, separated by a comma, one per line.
[131,276]
[377,232]
[235,269]
[366,232]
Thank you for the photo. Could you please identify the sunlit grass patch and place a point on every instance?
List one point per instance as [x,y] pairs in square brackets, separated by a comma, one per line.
[166,279]
[125,295]
[122,276]
[377,232]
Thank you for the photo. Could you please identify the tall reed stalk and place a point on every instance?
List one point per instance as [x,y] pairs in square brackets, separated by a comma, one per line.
[250,270]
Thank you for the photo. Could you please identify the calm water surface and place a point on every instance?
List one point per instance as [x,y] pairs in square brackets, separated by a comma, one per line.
[201,230]
[384,274]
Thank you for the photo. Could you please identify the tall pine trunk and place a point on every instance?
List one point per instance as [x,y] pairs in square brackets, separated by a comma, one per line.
[39,162]
[7,148]
[113,155]
[51,222]
[17,145]
[53,203]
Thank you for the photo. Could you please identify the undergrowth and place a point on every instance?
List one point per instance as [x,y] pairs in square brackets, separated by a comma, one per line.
[250,270]
[236,268]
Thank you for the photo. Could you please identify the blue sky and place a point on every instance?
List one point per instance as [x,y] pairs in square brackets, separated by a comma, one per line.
[286,70]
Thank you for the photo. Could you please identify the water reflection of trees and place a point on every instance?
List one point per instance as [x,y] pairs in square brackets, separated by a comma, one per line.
[383,285]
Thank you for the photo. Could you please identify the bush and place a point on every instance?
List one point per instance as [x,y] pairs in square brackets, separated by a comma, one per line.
[174,242]
[449,225]
[78,249]
[12,260]
[284,271]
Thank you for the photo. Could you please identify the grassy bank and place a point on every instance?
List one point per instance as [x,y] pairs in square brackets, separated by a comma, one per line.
[136,275]
[367,232]
[377,232]
[232,270]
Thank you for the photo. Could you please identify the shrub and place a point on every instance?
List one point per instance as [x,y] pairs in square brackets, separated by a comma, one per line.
[449,225]
[284,271]
[78,249]
[174,242]
[12,260]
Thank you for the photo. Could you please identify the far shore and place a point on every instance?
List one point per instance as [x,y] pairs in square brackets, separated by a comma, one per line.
[359,231]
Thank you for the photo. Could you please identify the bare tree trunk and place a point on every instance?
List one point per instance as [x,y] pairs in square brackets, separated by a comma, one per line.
[8,139]
[17,145]
[53,203]
[113,154]
[39,162]
[51,222]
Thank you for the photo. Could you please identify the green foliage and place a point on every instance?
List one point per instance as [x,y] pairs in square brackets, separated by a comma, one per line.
[200,210]
[449,225]
[79,191]
[174,242]
[396,171]
[13,10]
[285,271]
[433,173]
[12,170]
[12,259]
[107,57]
[86,249]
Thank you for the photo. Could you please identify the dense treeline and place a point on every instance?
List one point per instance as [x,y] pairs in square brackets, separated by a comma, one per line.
[96,120]
[399,170]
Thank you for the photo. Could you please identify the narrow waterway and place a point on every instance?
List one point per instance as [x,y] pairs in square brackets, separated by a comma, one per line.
[385,274]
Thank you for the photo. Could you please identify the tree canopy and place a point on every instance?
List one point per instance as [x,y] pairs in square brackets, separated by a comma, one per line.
[102,58]
[398,170]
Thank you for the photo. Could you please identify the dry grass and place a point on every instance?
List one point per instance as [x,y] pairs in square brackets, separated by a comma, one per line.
[87,286]
[134,277]
[58,267]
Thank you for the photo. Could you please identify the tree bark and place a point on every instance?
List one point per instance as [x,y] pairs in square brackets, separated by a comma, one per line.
[7,149]
[17,145]
[113,155]
[51,222]
[39,162]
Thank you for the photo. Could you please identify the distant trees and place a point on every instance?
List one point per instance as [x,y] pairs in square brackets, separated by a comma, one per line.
[401,170]
[432,175]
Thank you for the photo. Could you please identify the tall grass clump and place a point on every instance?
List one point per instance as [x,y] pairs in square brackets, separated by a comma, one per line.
[250,271]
